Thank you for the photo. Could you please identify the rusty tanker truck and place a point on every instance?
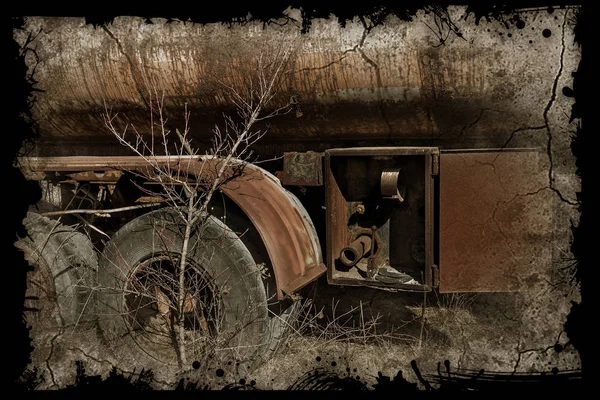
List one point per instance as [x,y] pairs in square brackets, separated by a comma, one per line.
[412,156]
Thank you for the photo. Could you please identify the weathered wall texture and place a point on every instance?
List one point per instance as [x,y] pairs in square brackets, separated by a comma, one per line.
[494,86]
[392,81]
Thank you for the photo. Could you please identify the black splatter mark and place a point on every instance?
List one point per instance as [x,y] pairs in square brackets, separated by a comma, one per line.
[550,10]
[523,383]
[547,33]
[21,86]
[558,347]
[567,91]
[196,364]
[489,12]
[333,363]
[114,382]
[99,20]
[238,386]
[399,384]
[318,358]
[320,379]
[520,24]
[220,372]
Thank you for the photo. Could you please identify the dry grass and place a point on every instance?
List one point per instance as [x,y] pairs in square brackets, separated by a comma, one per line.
[350,327]
[351,345]
[346,343]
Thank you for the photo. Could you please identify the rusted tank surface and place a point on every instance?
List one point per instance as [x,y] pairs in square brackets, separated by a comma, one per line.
[392,83]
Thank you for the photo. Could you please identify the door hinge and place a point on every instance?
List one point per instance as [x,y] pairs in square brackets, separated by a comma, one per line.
[435,163]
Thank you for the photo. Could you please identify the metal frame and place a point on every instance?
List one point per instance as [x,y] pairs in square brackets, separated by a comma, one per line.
[336,232]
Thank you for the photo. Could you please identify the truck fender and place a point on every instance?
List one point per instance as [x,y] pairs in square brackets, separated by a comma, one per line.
[282,221]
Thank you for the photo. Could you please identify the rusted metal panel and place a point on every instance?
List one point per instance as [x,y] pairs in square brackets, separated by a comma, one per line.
[281,220]
[302,169]
[382,151]
[287,232]
[495,220]
[95,163]
[97,176]
[336,234]
[429,217]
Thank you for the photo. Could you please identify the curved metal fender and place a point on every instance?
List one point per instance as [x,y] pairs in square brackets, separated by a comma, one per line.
[283,224]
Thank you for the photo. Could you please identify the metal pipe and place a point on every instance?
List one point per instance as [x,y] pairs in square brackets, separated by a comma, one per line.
[352,254]
[391,179]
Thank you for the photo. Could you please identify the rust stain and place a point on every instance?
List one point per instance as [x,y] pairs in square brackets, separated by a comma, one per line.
[345,90]
[287,236]
[495,220]
[103,176]
[303,169]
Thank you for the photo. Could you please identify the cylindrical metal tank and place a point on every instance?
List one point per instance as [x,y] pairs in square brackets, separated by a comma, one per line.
[395,83]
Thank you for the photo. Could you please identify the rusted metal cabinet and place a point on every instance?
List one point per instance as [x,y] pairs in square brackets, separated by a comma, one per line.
[415,218]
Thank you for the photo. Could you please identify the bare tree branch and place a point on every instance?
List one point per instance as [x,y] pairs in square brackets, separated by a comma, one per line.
[182,183]
[100,213]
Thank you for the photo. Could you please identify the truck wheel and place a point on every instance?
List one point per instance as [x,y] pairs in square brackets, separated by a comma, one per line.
[64,268]
[225,308]
[282,314]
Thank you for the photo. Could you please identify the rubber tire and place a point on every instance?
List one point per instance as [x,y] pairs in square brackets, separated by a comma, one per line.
[70,262]
[244,304]
[283,315]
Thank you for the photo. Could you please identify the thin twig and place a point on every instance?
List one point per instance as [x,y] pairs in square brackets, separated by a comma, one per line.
[100,213]
[91,226]
[422,318]
[230,151]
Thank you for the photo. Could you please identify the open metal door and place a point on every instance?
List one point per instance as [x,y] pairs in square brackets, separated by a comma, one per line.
[495,220]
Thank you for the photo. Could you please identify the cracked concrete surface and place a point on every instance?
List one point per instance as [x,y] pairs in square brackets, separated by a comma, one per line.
[484,90]
[551,175]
